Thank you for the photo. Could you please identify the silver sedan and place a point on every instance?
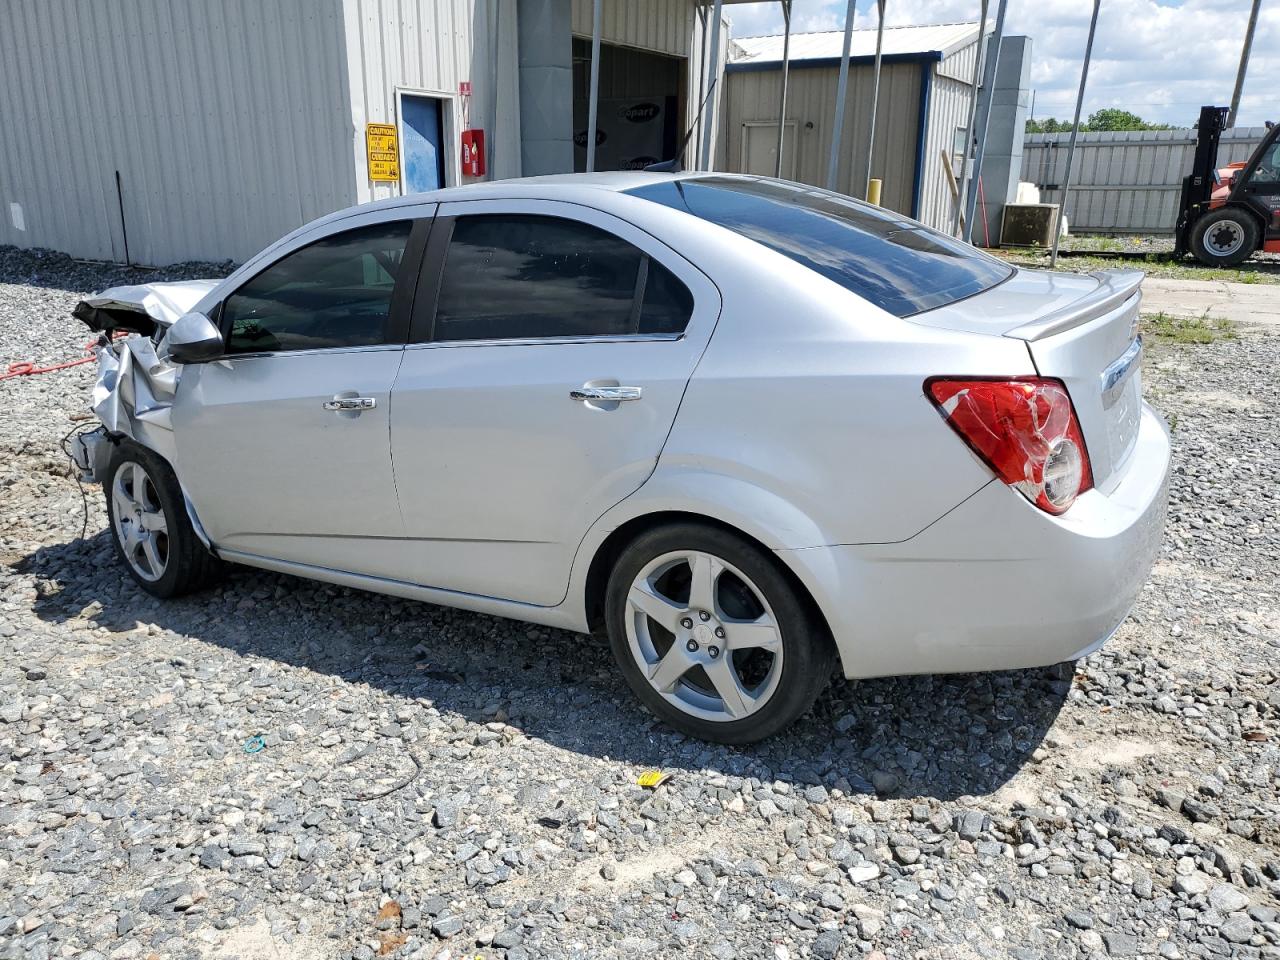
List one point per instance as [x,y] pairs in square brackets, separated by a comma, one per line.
[751,431]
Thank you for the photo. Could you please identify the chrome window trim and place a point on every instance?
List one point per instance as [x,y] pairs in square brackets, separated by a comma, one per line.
[310,351]
[540,341]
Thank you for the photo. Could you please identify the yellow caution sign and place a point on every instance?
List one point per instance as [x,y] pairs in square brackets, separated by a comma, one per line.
[384,151]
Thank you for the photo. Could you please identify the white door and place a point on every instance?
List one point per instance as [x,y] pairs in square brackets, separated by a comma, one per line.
[283,445]
[556,356]
[760,149]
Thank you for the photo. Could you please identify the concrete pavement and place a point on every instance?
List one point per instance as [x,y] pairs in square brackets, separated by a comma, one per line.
[1246,304]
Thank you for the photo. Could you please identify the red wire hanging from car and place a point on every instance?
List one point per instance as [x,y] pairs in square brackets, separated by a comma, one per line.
[27,368]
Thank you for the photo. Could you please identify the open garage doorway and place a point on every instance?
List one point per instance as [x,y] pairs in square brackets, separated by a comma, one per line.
[640,115]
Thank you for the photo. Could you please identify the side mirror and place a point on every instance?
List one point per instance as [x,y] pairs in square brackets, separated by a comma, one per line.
[192,339]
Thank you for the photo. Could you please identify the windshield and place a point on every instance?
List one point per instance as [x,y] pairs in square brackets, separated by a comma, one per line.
[898,264]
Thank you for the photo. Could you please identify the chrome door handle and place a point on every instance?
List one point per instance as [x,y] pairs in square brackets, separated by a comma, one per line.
[606,393]
[350,403]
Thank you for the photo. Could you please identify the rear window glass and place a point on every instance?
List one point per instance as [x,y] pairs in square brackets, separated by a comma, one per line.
[895,263]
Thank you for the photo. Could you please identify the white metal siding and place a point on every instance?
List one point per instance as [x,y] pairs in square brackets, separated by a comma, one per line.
[752,95]
[1124,181]
[663,26]
[959,65]
[935,37]
[949,102]
[228,123]
[432,46]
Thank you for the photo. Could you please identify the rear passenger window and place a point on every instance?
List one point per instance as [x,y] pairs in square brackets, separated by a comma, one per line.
[516,277]
[335,292]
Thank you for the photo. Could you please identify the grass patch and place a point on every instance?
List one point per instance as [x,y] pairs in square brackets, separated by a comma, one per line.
[1153,264]
[1202,329]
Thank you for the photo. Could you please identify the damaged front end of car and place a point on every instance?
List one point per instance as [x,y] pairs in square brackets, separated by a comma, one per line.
[137,377]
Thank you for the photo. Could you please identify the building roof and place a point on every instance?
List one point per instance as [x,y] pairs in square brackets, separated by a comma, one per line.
[925,42]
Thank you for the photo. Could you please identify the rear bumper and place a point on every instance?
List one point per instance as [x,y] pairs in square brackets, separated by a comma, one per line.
[997,584]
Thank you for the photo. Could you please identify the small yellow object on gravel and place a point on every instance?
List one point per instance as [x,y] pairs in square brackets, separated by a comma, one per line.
[652,779]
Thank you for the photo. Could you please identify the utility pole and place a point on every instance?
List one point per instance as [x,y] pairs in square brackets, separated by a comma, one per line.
[990,67]
[969,138]
[875,100]
[842,90]
[782,101]
[713,61]
[1075,131]
[593,105]
[1244,63]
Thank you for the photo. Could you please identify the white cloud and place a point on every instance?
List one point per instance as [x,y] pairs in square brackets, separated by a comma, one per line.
[1162,60]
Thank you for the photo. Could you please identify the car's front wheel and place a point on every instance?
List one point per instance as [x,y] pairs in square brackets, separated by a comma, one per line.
[150,526]
[713,636]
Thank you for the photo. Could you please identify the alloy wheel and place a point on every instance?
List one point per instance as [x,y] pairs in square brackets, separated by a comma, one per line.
[704,635]
[139,520]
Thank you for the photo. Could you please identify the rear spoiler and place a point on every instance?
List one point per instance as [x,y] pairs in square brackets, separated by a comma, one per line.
[1115,288]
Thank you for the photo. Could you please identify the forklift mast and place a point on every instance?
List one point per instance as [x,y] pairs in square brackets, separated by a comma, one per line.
[1197,186]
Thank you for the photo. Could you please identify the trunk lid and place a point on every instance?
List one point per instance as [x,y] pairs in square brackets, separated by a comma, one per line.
[1080,329]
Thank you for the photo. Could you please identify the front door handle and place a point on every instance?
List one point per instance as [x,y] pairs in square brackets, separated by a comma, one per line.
[350,403]
[606,393]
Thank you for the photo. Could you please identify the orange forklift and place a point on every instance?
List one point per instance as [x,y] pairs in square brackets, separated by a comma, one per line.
[1226,215]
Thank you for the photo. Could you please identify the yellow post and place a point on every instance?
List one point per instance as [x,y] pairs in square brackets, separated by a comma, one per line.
[873,191]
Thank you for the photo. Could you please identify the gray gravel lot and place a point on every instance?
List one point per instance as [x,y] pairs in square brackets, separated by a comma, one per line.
[443,784]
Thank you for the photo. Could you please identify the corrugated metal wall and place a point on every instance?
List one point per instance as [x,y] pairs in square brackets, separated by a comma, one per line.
[228,123]
[959,65]
[1124,181]
[664,26]
[949,102]
[234,122]
[752,95]
[431,46]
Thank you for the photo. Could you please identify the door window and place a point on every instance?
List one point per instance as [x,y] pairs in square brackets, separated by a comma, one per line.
[511,276]
[1268,169]
[335,292]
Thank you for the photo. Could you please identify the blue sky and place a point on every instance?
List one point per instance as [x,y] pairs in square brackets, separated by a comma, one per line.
[1162,60]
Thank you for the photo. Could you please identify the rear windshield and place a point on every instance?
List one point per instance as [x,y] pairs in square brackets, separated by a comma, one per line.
[896,263]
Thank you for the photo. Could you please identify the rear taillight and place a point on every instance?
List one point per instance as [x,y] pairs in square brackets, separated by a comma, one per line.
[1025,429]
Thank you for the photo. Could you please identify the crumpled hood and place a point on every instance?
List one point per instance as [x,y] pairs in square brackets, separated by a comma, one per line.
[135,388]
[141,308]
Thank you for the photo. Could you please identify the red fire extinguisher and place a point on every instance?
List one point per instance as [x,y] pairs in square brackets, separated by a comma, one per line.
[473,153]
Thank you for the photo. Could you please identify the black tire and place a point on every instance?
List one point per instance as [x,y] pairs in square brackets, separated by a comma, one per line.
[808,655]
[187,566]
[1216,233]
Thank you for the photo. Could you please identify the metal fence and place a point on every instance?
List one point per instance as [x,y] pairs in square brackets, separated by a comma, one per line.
[1124,181]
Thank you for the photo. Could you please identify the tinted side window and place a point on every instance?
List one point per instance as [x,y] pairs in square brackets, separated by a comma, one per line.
[1268,169]
[898,264]
[334,293]
[510,276]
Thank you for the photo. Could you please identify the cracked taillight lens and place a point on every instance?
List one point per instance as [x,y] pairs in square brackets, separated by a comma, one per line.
[1025,429]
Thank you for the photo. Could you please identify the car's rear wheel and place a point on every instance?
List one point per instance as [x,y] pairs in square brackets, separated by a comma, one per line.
[150,526]
[713,636]
[1224,237]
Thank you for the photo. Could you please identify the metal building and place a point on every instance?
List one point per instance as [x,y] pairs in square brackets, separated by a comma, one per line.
[166,130]
[155,131]
[925,95]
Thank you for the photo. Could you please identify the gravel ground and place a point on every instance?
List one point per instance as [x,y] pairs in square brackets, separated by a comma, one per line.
[442,784]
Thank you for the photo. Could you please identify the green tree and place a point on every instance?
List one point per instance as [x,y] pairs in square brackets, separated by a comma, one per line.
[1113,118]
[1048,125]
[1108,118]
